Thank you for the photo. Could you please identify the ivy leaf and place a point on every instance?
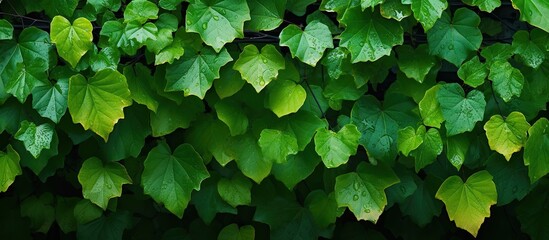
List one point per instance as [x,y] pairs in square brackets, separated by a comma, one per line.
[297,167]
[529,52]
[23,64]
[369,3]
[379,124]
[110,226]
[249,158]
[230,113]
[276,145]
[100,5]
[336,148]
[9,162]
[363,191]
[533,12]
[429,108]
[308,45]
[195,72]
[531,212]
[508,81]
[72,41]
[208,202]
[64,7]
[484,5]
[235,191]
[6,30]
[285,97]
[473,72]
[460,112]
[298,7]
[102,181]
[510,177]
[409,139]
[323,208]
[368,35]
[468,203]
[453,40]
[35,138]
[118,37]
[422,206]
[140,11]
[507,136]
[457,148]
[218,22]
[536,150]
[427,12]
[108,57]
[169,178]
[169,117]
[429,150]
[139,83]
[50,100]
[232,232]
[496,52]
[259,68]
[141,33]
[98,103]
[265,15]
[169,4]
[415,63]
[339,6]
[395,9]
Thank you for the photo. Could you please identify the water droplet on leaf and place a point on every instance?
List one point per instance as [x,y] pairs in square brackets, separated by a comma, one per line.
[356,186]
[261,82]
[367,210]
[216,18]
[403,189]
[108,186]
[451,47]
[355,197]
[364,193]
[189,22]
[264,60]
[204,26]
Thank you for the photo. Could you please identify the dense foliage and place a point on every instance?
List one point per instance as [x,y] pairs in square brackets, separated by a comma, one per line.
[288,119]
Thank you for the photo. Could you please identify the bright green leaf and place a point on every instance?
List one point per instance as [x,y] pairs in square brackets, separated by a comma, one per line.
[536,150]
[461,112]
[484,5]
[533,12]
[473,72]
[218,22]
[259,68]
[336,148]
[140,11]
[453,40]
[497,52]
[35,138]
[285,97]
[409,139]
[72,41]
[195,72]
[276,145]
[235,191]
[429,150]
[141,33]
[528,51]
[169,177]
[427,12]
[508,81]
[9,162]
[363,191]
[6,30]
[102,181]
[98,103]
[429,108]
[108,57]
[456,149]
[507,136]
[368,35]
[468,203]
[308,45]
[99,5]
[265,15]
[249,158]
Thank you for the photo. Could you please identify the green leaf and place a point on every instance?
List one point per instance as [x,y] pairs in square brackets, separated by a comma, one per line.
[98,103]
[429,150]
[169,4]
[308,45]
[461,112]
[453,40]
[209,137]
[285,97]
[40,212]
[532,210]
[235,191]
[468,203]
[169,117]
[473,72]
[195,72]
[208,202]
[259,68]
[484,5]
[141,33]
[536,150]
[533,12]
[218,22]
[63,7]
[507,136]
[298,7]
[457,148]
[169,178]
[249,158]
[140,11]
[229,83]
[415,63]
[409,139]
[230,112]
[529,52]
[35,138]
[297,167]
[368,35]
[379,124]
[139,83]
[427,12]
[323,207]
[72,41]
[395,9]
[118,37]
[276,145]
[102,181]
[510,177]
[363,191]
[265,15]
[341,7]
[497,52]
[422,206]
[429,108]
[336,148]
[100,5]
[508,81]
[9,162]
[232,232]
[51,100]
[108,227]
[23,64]
[6,30]
[108,57]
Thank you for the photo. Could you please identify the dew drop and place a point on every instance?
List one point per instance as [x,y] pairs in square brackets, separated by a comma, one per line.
[364,193]
[451,47]
[163,187]
[261,82]
[355,197]
[186,91]
[403,189]
[204,26]
[223,11]
[189,22]
[356,186]
[108,186]
[367,210]
[264,60]
[216,18]
[530,13]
